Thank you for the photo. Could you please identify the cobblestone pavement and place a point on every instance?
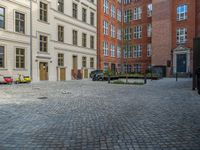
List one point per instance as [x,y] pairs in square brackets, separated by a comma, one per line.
[74,115]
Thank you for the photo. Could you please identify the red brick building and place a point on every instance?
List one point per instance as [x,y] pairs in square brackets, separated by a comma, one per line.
[109,34]
[155,33]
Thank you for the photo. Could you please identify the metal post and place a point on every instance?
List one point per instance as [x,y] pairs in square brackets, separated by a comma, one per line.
[145,79]
[31,41]
[109,79]
[151,73]
[176,76]
[126,67]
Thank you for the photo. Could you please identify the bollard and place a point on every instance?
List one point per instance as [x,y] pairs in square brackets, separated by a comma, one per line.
[108,79]
[176,77]
[145,79]
[198,80]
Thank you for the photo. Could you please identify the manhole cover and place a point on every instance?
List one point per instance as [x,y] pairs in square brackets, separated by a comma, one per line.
[42,97]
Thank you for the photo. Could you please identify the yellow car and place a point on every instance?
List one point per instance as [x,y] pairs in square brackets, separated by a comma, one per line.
[23,79]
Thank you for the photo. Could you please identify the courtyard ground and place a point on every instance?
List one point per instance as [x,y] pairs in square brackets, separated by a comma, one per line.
[162,115]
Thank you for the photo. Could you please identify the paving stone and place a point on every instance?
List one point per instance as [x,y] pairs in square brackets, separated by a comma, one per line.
[162,115]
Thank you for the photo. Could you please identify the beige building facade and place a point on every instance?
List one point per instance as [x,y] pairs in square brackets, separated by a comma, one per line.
[63,38]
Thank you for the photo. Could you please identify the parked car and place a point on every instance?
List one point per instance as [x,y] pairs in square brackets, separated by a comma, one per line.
[23,79]
[6,79]
[98,77]
[95,72]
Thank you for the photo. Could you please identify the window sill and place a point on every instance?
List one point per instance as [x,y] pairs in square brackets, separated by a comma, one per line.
[19,33]
[20,69]
[43,53]
[3,69]
[43,22]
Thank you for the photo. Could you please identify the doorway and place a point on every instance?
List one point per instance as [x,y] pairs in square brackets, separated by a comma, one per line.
[181,63]
[43,71]
[75,62]
[74,67]
[85,73]
[62,74]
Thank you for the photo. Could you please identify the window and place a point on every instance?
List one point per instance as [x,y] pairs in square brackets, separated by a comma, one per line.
[112,50]
[84,15]
[149,50]
[106,66]
[137,51]
[43,43]
[118,51]
[2,17]
[60,59]
[19,22]
[127,34]
[105,48]
[138,32]
[128,68]
[92,42]
[149,30]
[75,37]
[84,40]
[182,12]
[137,68]
[106,7]
[181,35]
[91,62]
[127,15]
[128,51]
[119,34]
[43,12]
[119,15]
[137,13]
[20,58]
[61,6]
[127,1]
[75,10]
[92,18]
[112,31]
[112,11]
[84,62]
[149,10]
[60,33]
[2,57]
[105,28]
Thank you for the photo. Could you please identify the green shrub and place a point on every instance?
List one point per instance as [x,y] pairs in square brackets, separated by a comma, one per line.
[129,83]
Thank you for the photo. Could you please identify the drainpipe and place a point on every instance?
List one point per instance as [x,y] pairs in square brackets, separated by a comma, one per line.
[122,38]
[31,41]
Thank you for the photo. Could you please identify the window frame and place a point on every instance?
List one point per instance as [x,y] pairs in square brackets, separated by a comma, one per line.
[20,22]
[4,17]
[3,57]
[20,58]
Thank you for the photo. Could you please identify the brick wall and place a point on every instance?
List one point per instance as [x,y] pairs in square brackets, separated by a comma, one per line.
[161,39]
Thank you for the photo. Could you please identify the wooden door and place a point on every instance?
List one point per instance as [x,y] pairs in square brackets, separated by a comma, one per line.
[43,71]
[62,74]
[75,66]
[85,73]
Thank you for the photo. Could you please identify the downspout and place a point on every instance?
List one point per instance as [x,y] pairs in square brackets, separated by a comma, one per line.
[31,41]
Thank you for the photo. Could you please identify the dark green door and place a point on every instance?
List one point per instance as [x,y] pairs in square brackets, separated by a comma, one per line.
[181,63]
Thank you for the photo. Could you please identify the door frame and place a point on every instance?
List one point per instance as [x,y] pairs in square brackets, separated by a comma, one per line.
[181,50]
